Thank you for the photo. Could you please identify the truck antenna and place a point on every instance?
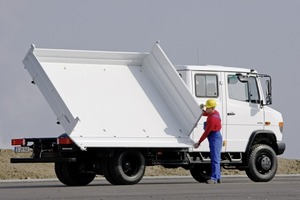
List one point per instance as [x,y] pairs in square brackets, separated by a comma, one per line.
[197,55]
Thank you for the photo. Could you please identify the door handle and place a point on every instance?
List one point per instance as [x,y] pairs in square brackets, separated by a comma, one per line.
[231,113]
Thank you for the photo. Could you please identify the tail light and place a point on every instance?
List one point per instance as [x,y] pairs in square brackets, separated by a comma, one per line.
[64,140]
[15,142]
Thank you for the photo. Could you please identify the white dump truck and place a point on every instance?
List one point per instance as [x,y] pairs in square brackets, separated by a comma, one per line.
[124,111]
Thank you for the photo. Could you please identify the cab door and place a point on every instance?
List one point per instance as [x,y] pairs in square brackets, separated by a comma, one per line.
[207,85]
[244,112]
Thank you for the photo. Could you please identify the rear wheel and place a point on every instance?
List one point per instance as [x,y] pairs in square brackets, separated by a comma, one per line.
[126,167]
[105,165]
[262,163]
[72,174]
[201,173]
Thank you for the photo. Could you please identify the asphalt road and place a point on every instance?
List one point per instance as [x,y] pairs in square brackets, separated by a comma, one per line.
[281,188]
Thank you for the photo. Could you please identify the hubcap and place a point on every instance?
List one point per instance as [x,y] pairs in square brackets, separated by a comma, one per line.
[130,167]
[265,163]
[126,167]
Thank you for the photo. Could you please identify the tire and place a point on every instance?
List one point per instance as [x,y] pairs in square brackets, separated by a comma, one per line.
[127,167]
[262,163]
[105,166]
[59,174]
[70,174]
[201,173]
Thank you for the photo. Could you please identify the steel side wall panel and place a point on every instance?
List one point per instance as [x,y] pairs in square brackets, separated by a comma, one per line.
[173,89]
[118,99]
[89,57]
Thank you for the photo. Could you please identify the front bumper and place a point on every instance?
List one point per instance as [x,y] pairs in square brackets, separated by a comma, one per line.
[281,148]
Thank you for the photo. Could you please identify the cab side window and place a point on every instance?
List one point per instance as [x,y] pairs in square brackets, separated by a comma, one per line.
[206,85]
[243,91]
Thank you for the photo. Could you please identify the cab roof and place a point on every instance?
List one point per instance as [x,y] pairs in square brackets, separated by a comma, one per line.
[213,68]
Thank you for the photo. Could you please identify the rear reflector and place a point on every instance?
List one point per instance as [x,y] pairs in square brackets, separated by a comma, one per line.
[64,141]
[15,142]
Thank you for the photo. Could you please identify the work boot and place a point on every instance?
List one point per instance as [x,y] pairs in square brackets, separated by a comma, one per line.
[211,181]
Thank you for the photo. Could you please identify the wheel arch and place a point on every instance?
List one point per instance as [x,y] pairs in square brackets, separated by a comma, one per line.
[262,137]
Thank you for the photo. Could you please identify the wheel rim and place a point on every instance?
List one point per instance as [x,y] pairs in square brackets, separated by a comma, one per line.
[264,164]
[130,165]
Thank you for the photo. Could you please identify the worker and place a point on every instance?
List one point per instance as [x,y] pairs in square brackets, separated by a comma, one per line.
[212,128]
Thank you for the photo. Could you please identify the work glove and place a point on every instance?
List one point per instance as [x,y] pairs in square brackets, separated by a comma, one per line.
[196,145]
[201,106]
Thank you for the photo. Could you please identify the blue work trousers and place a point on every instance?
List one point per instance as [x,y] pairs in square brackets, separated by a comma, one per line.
[215,146]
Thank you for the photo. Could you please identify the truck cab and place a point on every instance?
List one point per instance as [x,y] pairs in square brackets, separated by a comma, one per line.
[243,97]
[242,102]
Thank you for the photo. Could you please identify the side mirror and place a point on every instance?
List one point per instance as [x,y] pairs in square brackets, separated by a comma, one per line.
[266,82]
[269,100]
[269,92]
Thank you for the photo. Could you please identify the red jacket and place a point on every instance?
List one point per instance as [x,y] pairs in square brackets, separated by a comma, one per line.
[213,123]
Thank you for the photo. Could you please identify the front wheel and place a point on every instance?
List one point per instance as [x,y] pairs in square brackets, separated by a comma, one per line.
[262,163]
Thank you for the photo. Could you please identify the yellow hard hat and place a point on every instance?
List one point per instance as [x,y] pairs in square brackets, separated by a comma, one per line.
[210,103]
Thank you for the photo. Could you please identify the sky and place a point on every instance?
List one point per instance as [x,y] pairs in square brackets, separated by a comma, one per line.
[261,35]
